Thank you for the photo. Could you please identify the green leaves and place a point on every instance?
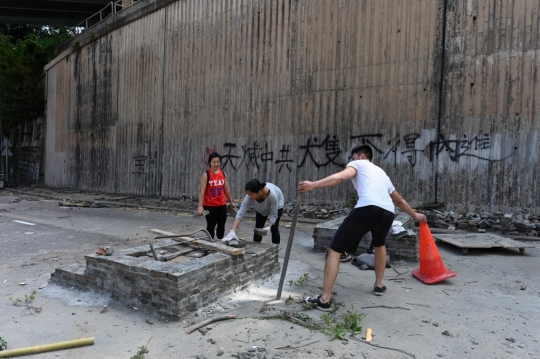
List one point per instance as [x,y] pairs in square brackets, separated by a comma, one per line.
[24,51]
[303,279]
[28,299]
[338,330]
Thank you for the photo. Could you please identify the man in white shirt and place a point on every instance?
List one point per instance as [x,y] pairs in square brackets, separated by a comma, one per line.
[374,212]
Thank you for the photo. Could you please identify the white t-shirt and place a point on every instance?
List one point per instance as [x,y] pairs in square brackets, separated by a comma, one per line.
[372,185]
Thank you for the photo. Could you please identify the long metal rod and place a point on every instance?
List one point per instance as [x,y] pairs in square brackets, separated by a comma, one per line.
[289,245]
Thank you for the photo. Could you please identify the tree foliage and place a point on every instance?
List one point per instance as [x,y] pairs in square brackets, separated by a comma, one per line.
[24,51]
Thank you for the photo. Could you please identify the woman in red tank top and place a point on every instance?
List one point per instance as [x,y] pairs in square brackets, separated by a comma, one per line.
[213,196]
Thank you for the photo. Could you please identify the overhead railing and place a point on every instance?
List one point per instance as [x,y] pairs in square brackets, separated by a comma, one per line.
[108,14]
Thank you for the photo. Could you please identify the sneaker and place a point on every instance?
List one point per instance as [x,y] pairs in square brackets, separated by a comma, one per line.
[318,304]
[378,291]
[343,258]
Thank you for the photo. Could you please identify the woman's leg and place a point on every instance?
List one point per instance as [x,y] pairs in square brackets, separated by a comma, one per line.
[211,219]
[276,238]
[221,219]
[260,222]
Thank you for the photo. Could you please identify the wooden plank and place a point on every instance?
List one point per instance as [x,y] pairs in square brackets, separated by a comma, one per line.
[524,238]
[199,243]
[480,240]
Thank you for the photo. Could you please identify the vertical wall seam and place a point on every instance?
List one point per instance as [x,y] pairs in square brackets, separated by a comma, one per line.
[160,173]
[441,98]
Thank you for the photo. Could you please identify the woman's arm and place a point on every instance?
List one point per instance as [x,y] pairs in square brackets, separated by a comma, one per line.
[272,217]
[202,191]
[235,224]
[241,212]
[228,191]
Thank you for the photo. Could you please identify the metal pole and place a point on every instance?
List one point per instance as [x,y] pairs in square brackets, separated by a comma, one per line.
[6,169]
[289,245]
[1,138]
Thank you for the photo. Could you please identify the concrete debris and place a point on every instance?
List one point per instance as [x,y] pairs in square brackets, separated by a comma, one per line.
[321,211]
[506,223]
[236,243]
[252,353]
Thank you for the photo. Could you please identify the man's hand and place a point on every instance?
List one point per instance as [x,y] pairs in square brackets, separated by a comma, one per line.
[200,210]
[420,217]
[306,186]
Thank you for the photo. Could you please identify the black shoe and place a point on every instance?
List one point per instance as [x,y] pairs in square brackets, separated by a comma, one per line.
[318,304]
[378,291]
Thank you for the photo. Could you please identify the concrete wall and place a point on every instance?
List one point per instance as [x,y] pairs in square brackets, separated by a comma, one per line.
[26,164]
[447,93]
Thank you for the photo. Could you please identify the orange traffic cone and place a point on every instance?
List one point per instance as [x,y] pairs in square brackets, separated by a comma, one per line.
[432,269]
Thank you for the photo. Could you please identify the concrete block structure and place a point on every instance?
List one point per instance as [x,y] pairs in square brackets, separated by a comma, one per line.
[170,289]
[402,248]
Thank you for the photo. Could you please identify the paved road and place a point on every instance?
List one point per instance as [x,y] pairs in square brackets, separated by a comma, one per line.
[491,309]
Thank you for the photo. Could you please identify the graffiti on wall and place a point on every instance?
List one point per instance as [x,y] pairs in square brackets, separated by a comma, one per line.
[229,157]
[207,153]
[328,151]
[462,147]
[140,162]
[329,147]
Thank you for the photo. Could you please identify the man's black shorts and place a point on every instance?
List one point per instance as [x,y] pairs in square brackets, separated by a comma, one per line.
[360,221]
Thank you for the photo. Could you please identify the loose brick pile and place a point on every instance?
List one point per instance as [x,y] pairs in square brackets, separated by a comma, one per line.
[523,223]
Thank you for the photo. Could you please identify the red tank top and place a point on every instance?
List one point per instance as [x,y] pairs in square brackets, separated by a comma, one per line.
[215,189]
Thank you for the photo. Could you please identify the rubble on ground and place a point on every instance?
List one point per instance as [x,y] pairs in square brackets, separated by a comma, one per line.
[318,211]
[522,223]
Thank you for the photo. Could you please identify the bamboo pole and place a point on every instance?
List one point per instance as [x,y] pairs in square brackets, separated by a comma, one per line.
[47,347]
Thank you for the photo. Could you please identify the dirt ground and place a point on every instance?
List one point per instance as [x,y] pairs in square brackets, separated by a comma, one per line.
[491,309]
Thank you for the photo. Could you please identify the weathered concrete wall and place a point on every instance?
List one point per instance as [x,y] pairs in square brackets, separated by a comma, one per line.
[489,134]
[285,88]
[26,164]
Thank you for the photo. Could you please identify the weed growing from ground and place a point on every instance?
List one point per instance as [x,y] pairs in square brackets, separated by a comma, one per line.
[142,351]
[338,330]
[303,279]
[28,299]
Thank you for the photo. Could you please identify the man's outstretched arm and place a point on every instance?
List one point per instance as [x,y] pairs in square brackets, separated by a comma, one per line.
[404,206]
[330,181]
